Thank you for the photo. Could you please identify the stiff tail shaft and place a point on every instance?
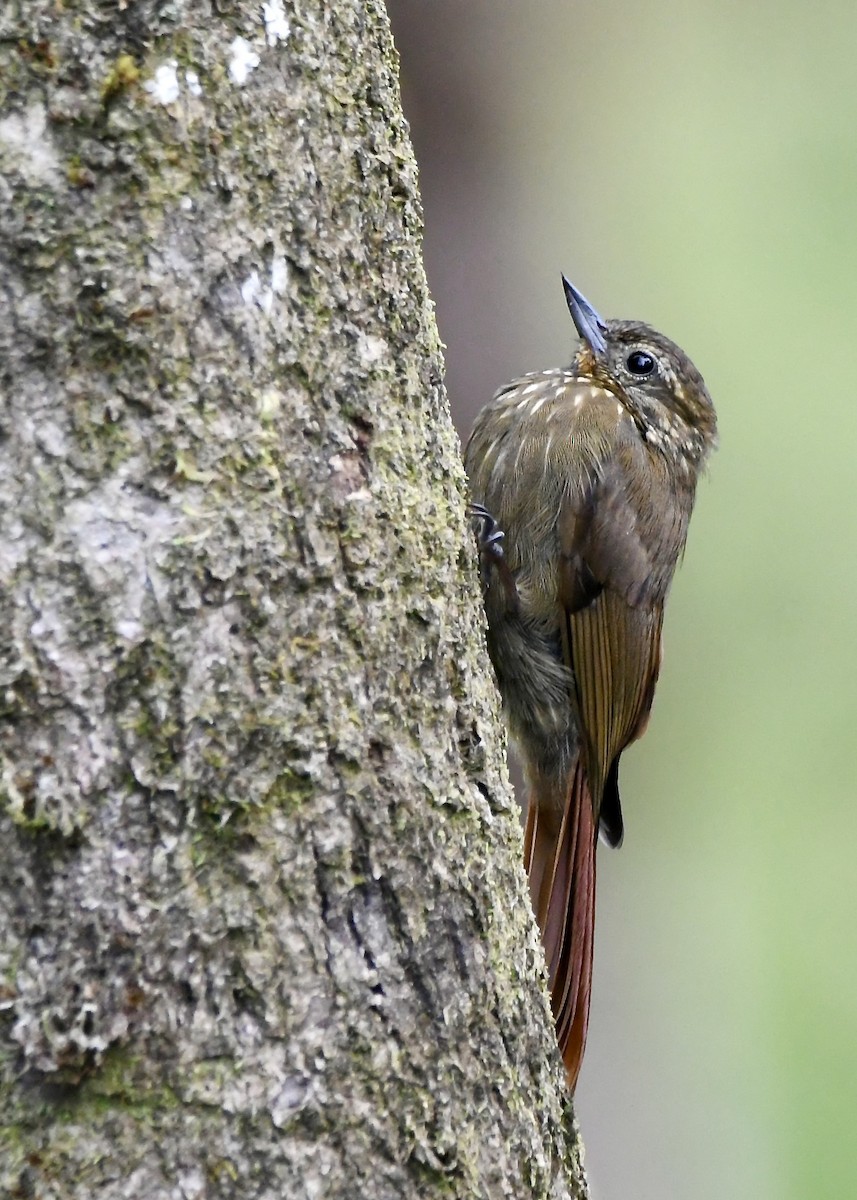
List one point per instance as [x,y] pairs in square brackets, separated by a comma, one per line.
[559,854]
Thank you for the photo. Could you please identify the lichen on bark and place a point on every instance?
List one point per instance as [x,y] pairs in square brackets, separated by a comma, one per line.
[264,932]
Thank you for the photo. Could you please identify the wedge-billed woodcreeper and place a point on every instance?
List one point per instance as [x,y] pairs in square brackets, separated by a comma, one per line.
[583,480]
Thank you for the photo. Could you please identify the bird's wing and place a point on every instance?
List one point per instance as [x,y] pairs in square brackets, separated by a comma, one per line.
[612,596]
[614,652]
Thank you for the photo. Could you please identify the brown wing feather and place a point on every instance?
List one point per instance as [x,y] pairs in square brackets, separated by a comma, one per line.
[614,653]
[613,603]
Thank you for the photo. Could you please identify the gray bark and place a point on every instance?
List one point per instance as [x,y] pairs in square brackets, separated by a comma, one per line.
[264,931]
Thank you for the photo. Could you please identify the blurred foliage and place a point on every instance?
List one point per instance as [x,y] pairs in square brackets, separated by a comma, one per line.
[695,166]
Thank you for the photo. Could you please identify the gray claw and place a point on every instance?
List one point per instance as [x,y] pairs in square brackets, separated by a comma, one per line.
[489,533]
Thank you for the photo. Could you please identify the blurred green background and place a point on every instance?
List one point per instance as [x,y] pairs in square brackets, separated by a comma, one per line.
[693,165]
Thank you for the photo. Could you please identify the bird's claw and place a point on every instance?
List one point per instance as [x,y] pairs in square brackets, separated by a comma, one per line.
[490,538]
[489,534]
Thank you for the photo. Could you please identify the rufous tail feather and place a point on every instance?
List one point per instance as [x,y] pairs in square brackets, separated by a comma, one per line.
[559,854]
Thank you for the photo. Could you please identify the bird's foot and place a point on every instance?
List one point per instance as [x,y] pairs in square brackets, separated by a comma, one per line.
[489,537]
[488,533]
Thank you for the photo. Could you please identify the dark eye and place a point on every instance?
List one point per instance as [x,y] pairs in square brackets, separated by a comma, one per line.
[640,363]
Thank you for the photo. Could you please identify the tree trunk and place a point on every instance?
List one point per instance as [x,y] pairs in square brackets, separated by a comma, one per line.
[264,928]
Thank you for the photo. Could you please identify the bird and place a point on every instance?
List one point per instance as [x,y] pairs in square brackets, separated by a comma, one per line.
[582,481]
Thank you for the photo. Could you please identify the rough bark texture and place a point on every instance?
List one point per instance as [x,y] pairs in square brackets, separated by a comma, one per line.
[263,931]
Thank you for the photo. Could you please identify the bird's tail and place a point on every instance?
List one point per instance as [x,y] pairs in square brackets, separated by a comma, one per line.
[559,854]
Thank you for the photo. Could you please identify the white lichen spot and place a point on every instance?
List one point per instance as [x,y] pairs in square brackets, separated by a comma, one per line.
[192,1185]
[254,291]
[291,1099]
[163,87]
[50,437]
[269,404]
[251,288]
[193,84]
[371,349]
[130,630]
[277,27]
[242,60]
[25,145]
[186,203]
[279,275]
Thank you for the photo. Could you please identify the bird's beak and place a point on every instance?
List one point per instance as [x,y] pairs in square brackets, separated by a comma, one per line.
[587,322]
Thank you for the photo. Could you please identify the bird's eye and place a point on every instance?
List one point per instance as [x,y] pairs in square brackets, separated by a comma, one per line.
[640,363]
